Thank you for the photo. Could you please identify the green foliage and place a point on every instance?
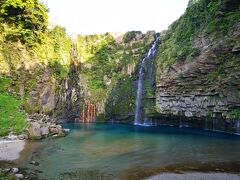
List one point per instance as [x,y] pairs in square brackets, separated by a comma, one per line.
[149,90]
[122,99]
[55,47]
[99,52]
[28,20]
[201,18]
[89,45]
[106,61]
[234,114]
[20,51]
[4,83]
[11,117]
[58,69]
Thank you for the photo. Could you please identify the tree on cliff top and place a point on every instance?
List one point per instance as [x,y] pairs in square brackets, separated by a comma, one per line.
[26,20]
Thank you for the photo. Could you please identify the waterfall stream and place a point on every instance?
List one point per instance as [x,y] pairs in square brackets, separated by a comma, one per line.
[138,111]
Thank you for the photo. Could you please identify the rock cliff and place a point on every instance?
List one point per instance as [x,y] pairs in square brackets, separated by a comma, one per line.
[198,70]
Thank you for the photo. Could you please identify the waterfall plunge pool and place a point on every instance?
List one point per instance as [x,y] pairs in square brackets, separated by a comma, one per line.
[116,151]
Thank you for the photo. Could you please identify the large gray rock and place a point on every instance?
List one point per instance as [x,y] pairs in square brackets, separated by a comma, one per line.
[14,170]
[35,131]
[44,131]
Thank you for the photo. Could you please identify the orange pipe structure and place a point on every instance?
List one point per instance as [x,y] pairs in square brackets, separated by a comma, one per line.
[91,111]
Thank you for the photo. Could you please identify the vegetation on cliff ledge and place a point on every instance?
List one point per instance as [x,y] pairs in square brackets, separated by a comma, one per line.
[27,49]
[211,20]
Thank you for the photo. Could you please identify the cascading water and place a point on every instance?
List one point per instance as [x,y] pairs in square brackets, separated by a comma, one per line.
[138,112]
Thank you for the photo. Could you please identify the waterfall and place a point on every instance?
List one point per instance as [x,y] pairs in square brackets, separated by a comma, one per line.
[138,111]
[237,126]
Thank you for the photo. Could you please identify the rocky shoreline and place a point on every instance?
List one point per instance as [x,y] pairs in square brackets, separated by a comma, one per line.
[42,126]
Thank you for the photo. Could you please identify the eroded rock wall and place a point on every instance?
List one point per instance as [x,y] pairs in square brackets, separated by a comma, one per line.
[186,89]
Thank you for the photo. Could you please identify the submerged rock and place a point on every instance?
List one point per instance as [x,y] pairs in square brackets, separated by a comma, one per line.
[66,130]
[34,163]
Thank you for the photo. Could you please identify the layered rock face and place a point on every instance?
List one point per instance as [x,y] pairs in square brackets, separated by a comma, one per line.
[206,84]
[184,89]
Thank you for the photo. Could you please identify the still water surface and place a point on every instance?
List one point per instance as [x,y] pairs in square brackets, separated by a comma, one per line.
[111,150]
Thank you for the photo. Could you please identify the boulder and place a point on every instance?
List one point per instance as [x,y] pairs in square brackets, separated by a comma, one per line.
[44,131]
[35,131]
[53,130]
[14,170]
[57,130]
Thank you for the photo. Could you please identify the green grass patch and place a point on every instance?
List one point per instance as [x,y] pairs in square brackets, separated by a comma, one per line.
[4,83]
[11,117]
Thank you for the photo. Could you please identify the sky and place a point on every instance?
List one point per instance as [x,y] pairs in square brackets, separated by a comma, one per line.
[100,16]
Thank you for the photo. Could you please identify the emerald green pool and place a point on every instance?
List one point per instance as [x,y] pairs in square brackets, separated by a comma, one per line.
[113,151]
